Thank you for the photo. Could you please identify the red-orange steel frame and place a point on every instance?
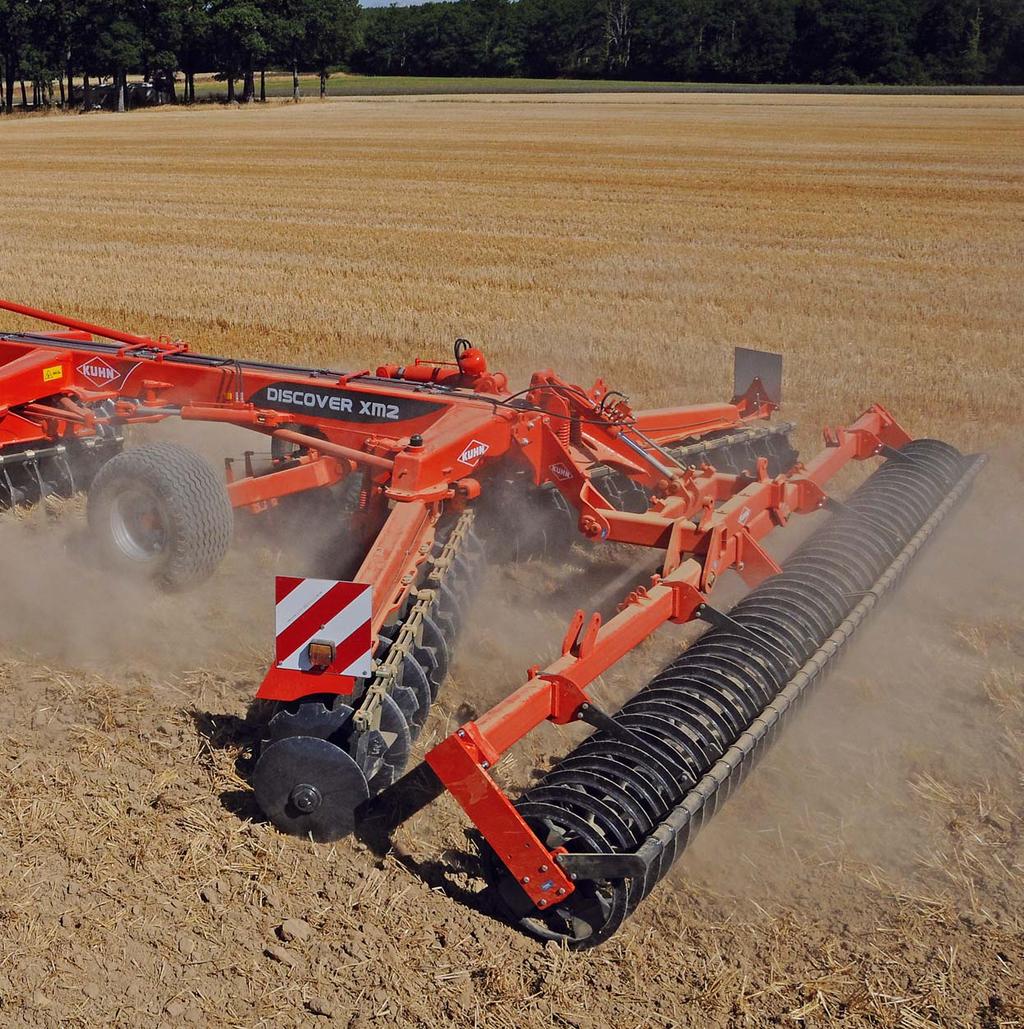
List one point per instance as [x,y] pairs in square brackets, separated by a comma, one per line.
[728,537]
[422,437]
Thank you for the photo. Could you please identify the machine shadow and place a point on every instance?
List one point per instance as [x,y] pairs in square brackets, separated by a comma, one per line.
[377,820]
[231,733]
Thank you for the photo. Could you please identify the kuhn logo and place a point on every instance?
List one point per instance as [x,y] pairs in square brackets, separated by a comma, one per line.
[472,454]
[560,471]
[98,372]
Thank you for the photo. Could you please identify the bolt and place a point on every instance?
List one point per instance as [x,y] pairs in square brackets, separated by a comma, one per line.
[561,891]
[485,764]
[525,879]
[740,566]
[543,868]
[306,798]
[461,734]
[542,903]
[574,877]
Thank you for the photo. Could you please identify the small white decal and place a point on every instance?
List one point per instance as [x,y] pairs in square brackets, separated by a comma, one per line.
[473,452]
[99,372]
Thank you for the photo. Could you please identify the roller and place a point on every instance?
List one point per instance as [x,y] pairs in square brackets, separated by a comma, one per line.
[695,729]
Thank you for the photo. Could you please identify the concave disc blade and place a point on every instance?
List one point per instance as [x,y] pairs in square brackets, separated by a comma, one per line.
[307,786]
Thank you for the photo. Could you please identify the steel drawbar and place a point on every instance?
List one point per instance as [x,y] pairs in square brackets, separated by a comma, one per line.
[697,727]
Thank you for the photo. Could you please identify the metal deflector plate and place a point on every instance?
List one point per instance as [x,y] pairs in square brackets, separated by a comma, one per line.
[757,364]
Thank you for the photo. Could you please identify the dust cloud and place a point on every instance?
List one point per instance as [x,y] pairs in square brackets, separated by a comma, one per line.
[865,779]
[909,731]
[61,605]
[906,720]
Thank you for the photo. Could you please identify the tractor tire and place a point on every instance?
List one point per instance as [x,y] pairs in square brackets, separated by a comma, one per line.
[160,512]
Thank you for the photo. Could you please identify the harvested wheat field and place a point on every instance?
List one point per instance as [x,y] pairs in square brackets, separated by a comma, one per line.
[870,873]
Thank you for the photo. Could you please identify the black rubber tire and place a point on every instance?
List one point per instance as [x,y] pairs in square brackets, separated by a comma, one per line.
[192,504]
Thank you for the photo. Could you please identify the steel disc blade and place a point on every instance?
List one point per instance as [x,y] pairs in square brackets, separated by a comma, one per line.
[307,786]
[311,718]
[435,642]
[414,678]
[395,731]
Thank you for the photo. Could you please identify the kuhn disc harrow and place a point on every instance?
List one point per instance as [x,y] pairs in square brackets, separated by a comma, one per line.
[428,473]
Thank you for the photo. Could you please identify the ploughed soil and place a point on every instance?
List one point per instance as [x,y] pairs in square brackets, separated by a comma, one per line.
[871,871]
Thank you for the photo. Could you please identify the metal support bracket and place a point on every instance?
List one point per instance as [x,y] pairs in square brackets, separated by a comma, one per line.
[590,713]
[891,453]
[602,866]
[720,620]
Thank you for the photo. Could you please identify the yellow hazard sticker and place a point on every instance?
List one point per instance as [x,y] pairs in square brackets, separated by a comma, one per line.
[55,372]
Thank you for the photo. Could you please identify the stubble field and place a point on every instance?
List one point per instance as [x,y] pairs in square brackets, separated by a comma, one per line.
[871,873]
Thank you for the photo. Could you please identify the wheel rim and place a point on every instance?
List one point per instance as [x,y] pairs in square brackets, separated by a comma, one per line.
[137,525]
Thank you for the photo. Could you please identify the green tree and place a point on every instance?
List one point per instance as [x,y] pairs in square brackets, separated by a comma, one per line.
[289,30]
[239,33]
[194,18]
[161,24]
[15,22]
[849,41]
[562,37]
[113,42]
[330,35]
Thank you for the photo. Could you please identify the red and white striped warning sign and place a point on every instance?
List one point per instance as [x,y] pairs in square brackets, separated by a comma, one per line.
[324,611]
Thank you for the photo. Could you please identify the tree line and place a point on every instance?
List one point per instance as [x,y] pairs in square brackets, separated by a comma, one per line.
[760,41]
[48,42]
[45,45]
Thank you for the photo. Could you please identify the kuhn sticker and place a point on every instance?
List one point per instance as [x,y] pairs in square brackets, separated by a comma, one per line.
[473,452]
[560,471]
[98,372]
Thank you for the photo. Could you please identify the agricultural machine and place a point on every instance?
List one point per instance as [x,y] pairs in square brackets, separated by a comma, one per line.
[431,471]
